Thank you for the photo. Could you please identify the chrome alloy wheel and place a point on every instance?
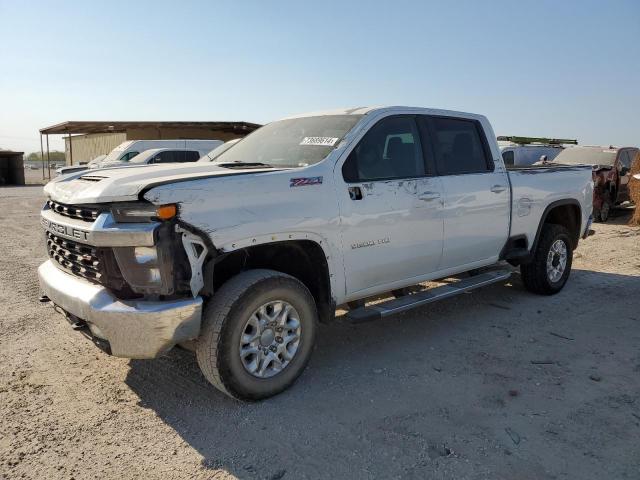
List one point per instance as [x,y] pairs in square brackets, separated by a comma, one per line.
[270,339]
[556,260]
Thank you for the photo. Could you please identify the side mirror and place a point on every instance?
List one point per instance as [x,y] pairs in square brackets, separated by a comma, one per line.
[624,171]
[543,158]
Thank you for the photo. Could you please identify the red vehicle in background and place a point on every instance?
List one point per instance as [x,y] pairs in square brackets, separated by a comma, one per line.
[611,173]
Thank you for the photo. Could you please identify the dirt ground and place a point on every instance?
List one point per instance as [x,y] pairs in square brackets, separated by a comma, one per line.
[496,384]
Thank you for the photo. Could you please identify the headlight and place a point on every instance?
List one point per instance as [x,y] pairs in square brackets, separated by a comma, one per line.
[146,269]
[142,212]
[151,269]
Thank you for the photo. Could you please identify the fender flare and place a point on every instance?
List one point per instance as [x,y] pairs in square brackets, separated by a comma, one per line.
[545,214]
[331,253]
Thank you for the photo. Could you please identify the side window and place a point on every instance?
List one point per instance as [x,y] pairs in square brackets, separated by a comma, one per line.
[459,146]
[191,156]
[128,156]
[625,158]
[168,156]
[509,158]
[391,149]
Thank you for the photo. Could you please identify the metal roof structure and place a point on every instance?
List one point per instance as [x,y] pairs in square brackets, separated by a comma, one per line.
[84,127]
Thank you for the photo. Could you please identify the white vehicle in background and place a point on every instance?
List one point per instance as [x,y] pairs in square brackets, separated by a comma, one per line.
[525,151]
[80,167]
[164,155]
[213,154]
[240,258]
[526,155]
[127,150]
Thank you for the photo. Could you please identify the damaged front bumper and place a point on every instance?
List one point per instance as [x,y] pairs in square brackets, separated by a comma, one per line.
[132,328]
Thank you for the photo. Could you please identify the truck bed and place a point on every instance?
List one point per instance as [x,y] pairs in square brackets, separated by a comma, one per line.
[535,188]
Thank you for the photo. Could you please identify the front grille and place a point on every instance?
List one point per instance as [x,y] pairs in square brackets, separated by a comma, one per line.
[86,213]
[77,258]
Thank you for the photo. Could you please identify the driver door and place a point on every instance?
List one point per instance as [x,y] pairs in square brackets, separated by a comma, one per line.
[391,209]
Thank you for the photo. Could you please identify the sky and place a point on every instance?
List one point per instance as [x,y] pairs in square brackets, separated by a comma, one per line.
[567,69]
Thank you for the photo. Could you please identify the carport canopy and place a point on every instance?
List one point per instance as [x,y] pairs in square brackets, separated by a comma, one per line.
[240,129]
[84,127]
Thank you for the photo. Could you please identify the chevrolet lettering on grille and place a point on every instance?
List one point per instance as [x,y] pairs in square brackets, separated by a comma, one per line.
[65,230]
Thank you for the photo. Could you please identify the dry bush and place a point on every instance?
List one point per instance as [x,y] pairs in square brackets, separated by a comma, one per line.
[634,190]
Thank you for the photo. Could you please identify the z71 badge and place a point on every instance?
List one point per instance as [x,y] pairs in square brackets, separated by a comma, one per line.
[303,182]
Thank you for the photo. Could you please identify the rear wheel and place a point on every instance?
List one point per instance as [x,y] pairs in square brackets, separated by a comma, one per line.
[551,265]
[257,334]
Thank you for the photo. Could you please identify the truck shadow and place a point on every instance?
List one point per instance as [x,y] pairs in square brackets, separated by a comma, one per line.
[383,399]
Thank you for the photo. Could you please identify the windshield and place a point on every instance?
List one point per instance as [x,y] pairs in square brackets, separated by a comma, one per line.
[114,155]
[216,152]
[297,142]
[587,156]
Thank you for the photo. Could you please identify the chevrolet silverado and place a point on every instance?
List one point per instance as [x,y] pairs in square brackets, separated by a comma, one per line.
[242,257]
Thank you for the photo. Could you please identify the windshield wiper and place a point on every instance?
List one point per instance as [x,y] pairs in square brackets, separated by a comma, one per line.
[245,165]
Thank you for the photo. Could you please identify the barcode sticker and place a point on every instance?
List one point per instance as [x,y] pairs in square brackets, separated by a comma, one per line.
[319,141]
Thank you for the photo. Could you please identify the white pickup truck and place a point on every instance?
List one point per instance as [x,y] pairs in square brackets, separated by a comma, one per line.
[240,258]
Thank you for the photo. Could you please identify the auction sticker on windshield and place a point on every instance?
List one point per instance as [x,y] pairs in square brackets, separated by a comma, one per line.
[319,141]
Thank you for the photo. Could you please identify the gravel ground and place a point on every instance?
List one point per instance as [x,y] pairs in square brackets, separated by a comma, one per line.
[498,383]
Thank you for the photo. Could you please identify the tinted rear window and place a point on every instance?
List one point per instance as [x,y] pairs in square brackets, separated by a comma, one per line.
[458,145]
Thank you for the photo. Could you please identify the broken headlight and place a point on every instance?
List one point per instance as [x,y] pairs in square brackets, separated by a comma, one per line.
[150,270]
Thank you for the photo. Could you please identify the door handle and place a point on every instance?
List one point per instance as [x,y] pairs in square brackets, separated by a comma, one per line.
[498,188]
[428,196]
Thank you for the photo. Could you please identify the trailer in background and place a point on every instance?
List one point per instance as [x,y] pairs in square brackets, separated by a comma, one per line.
[11,168]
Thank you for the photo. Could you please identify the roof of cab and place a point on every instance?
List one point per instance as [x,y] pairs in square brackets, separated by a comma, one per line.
[390,108]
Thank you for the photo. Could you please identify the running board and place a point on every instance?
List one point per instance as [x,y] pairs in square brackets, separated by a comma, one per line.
[402,304]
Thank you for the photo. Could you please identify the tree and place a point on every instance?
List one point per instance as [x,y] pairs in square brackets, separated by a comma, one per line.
[54,156]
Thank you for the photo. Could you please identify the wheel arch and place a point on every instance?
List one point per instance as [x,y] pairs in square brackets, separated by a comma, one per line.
[302,258]
[567,213]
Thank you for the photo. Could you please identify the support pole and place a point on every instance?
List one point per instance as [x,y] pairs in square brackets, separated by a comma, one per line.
[42,156]
[48,158]
[70,150]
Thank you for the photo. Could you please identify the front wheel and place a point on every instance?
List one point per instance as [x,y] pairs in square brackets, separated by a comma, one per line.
[549,270]
[257,334]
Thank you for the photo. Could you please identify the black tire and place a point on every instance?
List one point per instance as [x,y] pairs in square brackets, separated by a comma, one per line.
[224,317]
[534,274]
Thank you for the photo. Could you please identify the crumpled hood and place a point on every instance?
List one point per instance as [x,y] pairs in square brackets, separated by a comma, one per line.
[124,183]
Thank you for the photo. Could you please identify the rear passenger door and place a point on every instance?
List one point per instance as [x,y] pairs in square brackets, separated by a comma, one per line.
[476,194]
